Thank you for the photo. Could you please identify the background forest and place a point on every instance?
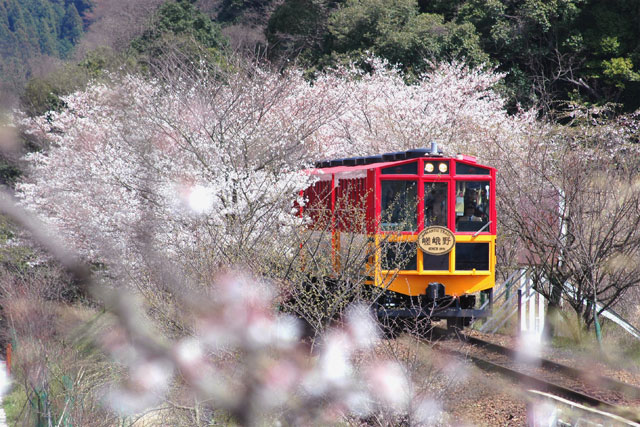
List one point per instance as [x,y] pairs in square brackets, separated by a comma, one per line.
[552,52]
[151,148]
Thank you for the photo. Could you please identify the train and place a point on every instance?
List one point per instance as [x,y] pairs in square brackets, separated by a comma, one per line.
[429,223]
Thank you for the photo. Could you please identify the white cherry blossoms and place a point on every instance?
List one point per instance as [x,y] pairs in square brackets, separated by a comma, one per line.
[250,360]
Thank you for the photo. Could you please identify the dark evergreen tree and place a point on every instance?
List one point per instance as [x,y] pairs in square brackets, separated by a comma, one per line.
[180,18]
[397,31]
[296,27]
[71,28]
[31,28]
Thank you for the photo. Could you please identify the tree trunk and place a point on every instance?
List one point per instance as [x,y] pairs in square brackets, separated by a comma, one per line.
[587,316]
[552,316]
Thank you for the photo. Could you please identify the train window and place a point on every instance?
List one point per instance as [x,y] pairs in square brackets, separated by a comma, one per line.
[465,169]
[399,255]
[399,205]
[471,256]
[435,262]
[435,203]
[406,169]
[472,205]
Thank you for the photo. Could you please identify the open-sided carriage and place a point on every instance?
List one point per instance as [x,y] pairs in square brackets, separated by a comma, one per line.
[430,223]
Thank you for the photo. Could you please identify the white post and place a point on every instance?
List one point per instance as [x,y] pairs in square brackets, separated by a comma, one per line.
[532,309]
[541,313]
[525,295]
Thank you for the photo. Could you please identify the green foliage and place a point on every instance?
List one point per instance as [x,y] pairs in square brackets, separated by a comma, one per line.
[577,49]
[611,31]
[619,70]
[294,16]
[609,45]
[15,257]
[231,11]
[551,50]
[177,25]
[42,94]
[179,36]
[29,27]
[296,26]
[14,403]
[397,31]
[32,28]
[71,28]
[9,172]
[180,18]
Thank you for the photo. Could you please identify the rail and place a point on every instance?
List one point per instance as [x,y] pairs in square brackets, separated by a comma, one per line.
[565,412]
[602,395]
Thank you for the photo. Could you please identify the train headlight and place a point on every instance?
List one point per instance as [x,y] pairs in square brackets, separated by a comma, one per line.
[442,167]
[428,167]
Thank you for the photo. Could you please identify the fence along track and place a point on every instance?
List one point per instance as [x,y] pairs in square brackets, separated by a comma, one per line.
[520,280]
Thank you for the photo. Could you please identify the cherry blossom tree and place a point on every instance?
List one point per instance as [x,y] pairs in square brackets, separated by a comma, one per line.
[203,169]
[454,105]
[573,202]
[213,161]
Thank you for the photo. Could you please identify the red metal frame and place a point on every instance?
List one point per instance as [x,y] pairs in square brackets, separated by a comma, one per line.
[451,179]
[371,187]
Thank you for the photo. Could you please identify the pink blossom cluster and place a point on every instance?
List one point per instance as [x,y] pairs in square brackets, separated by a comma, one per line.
[248,359]
[453,105]
[191,165]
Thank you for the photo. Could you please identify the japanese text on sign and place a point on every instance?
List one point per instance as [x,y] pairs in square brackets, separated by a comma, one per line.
[436,240]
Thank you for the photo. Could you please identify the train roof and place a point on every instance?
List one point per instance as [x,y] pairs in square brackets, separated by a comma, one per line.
[356,164]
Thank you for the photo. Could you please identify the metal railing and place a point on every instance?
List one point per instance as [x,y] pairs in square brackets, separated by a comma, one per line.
[505,302]
[505,292]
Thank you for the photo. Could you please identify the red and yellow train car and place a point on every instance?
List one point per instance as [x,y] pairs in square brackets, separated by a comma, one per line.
[430,221]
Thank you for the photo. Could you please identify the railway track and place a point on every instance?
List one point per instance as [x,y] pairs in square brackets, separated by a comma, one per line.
[535,373]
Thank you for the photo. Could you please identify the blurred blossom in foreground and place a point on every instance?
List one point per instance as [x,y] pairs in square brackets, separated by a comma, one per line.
[428,413]
[247,359]
[334,362]
[389,383]
[5,381]
[147,384]
[8,139]
[542,414]
[457,371]
[529,347]
[197,198]
[361,327]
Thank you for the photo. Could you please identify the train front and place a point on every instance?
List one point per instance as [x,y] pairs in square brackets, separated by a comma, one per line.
[436,236]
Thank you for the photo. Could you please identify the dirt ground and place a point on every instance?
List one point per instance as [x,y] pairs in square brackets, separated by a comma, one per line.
[485,399]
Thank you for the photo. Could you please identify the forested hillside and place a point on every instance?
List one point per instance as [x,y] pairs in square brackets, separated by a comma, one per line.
[30,29]
[585,51]
[552,51]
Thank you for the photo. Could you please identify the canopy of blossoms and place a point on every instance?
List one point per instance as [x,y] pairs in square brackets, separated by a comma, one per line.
[213,164]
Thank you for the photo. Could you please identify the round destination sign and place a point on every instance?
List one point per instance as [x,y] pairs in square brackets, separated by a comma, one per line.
[436,240]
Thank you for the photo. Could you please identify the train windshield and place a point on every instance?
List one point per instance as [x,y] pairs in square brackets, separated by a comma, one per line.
[435,203]
[472,205]
[399,205]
